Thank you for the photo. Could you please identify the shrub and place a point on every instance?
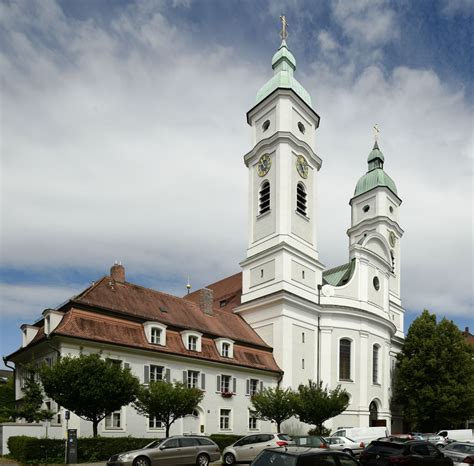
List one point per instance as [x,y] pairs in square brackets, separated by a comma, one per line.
[16,445]
[224,440]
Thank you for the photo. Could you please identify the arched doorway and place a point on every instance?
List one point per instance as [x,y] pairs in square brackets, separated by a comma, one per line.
[192,422]
[373,414]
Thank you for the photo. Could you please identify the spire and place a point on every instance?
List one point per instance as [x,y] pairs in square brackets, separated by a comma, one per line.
[376,158]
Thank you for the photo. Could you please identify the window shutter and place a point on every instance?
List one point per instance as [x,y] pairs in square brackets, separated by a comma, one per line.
[261,386]
[203,381]
[168,375]
[146,376]
[235,385]
[247,390]
[218,383]
[185,377]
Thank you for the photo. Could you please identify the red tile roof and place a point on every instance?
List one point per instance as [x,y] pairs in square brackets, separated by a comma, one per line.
[89,325]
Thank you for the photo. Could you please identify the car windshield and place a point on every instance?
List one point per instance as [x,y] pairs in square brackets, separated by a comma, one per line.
[385,448]
[274,458]
[313,441]
[155,443]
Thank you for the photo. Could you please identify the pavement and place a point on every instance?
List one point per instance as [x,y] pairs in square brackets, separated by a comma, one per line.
[10,462]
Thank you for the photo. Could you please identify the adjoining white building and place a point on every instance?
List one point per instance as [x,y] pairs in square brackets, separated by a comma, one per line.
[283,320]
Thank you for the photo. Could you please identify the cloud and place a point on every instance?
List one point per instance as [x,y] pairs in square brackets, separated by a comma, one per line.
[29,301]
[124,141]
[456,7]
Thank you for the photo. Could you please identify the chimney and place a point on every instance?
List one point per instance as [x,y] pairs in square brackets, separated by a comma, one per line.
[206,299]
[117,272]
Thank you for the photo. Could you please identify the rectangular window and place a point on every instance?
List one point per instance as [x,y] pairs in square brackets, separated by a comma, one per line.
[192,343]
[224,420]
[302,337]
[302,364]
[225,350]
[115,362]
[252,421]
[154,423]
[113,420]
[156,373]
[156,335]
[193,379]
[225,383]
[253,387]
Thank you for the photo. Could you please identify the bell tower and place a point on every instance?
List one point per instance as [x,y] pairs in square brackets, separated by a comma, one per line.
[282,252]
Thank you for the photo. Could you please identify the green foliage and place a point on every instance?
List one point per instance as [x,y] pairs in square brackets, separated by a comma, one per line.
[89,386]
[167,402]
[274,404]
[321,431]
[224,440]
[7,401]
[34,450]
[317,404]
[32,400]
[434,381]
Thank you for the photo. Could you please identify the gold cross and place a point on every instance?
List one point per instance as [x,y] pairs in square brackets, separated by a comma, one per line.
[284,25]
[377,131]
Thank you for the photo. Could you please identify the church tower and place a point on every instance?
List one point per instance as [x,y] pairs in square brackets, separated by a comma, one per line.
[282,252]
[374,236]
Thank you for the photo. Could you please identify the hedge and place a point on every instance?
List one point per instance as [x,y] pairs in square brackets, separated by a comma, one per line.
[35,450]
[224,440]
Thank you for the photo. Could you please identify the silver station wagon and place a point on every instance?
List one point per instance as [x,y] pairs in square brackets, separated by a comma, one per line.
[169,452]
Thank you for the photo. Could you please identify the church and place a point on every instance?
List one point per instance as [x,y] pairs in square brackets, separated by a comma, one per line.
[282,320]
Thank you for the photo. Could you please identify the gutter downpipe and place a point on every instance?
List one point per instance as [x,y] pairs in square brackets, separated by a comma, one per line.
[319,336]
[5,361]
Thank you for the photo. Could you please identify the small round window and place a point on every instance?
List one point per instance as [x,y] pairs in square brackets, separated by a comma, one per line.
[390,209]
[366,208]
[301,127]
[376,283]
[266,125]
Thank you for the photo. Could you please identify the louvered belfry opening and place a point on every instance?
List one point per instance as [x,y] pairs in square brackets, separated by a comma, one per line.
[264,198]
[301,201]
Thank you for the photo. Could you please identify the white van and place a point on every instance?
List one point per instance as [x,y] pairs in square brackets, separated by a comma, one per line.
[461,435]
[361,434]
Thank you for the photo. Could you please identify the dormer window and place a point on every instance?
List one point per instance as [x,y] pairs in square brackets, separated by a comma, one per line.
[225,347]
[155,335]
[191,340]
[192,343]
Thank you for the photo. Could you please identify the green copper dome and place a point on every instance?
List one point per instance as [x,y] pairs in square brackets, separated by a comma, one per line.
[375,177]
[283,64]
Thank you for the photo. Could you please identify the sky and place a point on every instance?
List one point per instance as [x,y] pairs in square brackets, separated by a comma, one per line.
[123,131]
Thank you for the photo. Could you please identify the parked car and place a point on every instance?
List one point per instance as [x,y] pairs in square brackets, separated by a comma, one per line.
[462,453]
[312,441]
[302,456]
[361,434]
[170,451]
[247,448]
[409,453]
[345,444]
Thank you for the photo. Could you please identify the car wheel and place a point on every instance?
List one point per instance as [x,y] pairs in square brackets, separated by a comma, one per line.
[229,458]
[202,460]
[141,461]
[346,450]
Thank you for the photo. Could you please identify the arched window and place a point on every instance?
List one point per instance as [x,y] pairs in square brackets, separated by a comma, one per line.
[264,198]
[373,413]
[345,359]
[375,364]
[301,199]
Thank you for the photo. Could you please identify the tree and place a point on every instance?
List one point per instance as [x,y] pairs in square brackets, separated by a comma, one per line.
[167,402]
[317,404]
[89,386]
[434,381]
[274,404]
[31,403]
[7,400]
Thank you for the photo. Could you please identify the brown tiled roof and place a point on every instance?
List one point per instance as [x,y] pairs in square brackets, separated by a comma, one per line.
[468,337]
[145,303]
[89,325]
[229,290]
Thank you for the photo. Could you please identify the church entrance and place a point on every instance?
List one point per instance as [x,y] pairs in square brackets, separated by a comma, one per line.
[374,421]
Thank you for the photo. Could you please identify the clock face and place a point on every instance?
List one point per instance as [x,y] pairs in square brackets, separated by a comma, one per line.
[392,239]
[302,166]
[264,165]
